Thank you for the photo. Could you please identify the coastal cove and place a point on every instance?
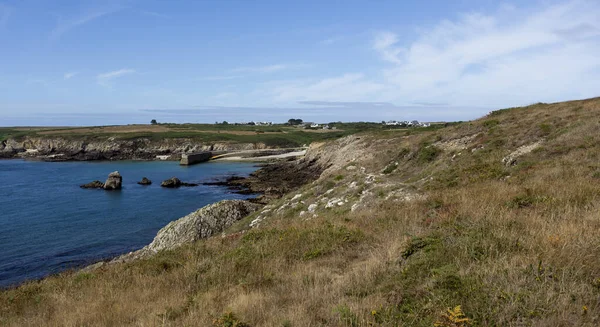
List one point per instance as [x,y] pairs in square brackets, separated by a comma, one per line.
[50,224]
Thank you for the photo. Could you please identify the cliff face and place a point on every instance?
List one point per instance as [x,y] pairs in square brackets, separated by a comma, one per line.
[61,149]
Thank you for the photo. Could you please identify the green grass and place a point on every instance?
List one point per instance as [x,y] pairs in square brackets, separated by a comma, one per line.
[7,133]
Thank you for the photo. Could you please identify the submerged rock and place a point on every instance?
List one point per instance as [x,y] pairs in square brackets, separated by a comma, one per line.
[94,184]
[145,181]
[203,223]
[114,181]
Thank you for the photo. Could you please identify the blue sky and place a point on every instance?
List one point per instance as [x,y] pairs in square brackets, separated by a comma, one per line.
[121,62]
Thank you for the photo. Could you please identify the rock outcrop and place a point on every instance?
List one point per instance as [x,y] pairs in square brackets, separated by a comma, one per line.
[175,182]
[9,148]
[94,184]
[203,223]
[145,181]
[171,183]
[511,159]
[114,181]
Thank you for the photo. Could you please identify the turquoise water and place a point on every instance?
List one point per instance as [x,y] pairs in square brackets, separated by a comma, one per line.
[49,224]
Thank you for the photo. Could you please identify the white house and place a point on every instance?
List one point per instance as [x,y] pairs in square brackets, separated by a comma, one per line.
[264,123]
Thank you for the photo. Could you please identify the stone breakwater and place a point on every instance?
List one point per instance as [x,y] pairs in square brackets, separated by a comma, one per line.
[63,149]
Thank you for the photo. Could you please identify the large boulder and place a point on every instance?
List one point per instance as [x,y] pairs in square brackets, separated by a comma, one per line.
[145,181]
[203,223]
[114,181]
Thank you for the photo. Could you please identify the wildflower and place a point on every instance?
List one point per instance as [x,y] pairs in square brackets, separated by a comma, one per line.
[453,318]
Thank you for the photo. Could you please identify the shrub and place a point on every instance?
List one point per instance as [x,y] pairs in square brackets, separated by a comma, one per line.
[415,245]
[491,123]
[545,128]
[428,154]
[390,168]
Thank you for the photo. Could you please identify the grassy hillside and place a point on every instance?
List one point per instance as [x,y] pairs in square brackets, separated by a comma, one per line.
[486,223]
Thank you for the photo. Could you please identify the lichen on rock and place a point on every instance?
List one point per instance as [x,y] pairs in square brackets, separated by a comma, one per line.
[203,223]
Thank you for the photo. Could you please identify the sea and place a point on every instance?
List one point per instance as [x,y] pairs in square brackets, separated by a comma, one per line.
[48,224]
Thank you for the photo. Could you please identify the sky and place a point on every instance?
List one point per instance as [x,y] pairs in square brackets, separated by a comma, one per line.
[123,62]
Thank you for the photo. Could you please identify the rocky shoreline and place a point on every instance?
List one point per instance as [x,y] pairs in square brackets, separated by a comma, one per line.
[271,181]
[63,149]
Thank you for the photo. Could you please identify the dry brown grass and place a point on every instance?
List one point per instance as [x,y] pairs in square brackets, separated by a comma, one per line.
[518,251]
[150,129]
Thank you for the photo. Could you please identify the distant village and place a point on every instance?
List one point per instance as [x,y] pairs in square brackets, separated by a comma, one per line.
[312,125]
[406,123]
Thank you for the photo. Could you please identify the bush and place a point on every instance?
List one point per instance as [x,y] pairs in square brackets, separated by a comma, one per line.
[491,123]
[428,154]
[390,168]
[546,129]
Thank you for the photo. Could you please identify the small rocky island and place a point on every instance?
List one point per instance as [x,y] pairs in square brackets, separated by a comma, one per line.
[145,181]
[175,182]
[113,182]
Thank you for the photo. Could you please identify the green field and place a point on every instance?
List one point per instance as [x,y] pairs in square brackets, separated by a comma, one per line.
[279,135]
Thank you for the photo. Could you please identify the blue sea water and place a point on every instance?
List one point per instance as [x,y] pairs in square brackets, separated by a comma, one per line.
[49,224]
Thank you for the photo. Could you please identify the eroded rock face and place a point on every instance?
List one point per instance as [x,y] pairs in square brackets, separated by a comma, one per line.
[145,181]
[114,181]
[205,222]
[55,148]
[9,148]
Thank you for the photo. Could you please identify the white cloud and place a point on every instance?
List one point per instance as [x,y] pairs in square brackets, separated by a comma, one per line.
[64,26]
[471,64]
[349,87]
[105,78]
[70,75]
[509,58]
[385,44]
